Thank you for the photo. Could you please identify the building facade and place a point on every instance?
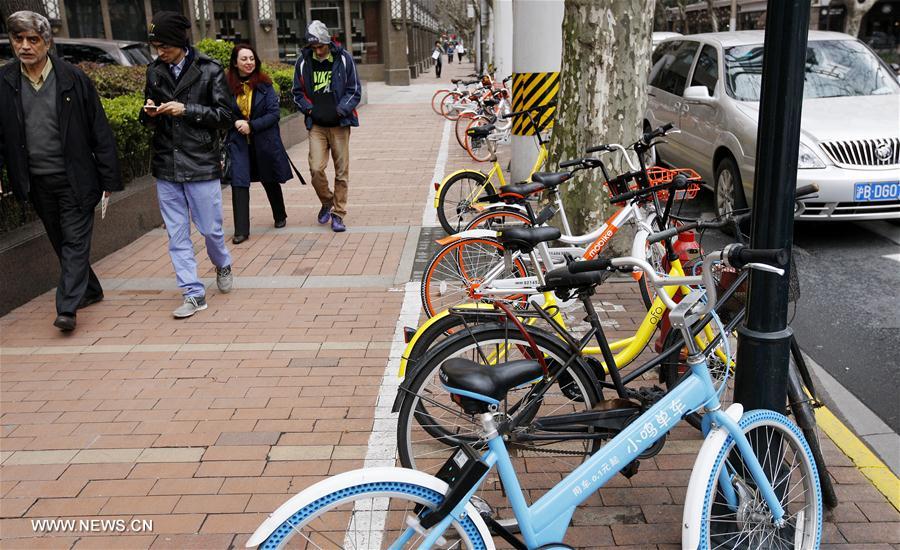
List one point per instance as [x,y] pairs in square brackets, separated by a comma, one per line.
[389,39]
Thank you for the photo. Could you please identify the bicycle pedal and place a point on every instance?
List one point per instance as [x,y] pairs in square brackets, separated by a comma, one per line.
[649,395]
[630,470]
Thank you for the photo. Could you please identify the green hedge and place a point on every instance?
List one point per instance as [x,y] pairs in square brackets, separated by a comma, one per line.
[115,80]
[219,50]
[132,137]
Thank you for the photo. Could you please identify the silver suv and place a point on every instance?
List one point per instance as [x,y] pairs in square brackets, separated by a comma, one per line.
[708,85]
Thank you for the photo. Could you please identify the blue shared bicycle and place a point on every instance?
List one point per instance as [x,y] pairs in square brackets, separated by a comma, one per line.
[754,483]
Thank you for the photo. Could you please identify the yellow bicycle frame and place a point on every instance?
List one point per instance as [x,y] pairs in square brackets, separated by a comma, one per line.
[496,171]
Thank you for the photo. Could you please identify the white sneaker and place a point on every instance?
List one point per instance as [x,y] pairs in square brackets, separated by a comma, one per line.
[190,306]
[224,279]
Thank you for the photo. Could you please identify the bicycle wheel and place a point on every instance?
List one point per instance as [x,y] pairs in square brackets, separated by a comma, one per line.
[435,100]
[497,219]
[460,127]
[452,274]
[441,329]
[368,510]
[805,416]
[430,424]
[787,463]
[478,148]
[460,197]
[450,105]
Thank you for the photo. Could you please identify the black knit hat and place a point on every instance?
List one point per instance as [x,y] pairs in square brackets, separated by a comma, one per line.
[170,28]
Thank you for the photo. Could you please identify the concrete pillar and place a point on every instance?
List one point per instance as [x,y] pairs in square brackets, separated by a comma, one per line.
[107,24]
[503,38]
[396,66]
[64,20]
[537,48]
[348,28]
[263,38]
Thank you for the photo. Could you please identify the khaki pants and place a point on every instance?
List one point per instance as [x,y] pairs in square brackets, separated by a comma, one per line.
[320,141]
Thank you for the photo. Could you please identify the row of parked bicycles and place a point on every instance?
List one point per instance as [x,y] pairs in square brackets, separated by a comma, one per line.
[510,417]
[472,103]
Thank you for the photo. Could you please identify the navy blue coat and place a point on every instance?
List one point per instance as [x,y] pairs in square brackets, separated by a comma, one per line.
[344,85]
[272,164]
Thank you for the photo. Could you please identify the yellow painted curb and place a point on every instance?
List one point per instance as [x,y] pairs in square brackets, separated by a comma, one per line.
[865,460]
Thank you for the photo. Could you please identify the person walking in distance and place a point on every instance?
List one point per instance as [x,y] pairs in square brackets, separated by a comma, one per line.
[436,55]
[59,152]
[254,148]
[460,50]
[450,52]
[327,91]
[187,104]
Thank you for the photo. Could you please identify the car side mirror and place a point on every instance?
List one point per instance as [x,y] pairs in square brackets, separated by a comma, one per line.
[698,93]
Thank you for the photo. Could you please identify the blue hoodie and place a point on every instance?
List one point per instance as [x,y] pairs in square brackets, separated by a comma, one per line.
[344,85]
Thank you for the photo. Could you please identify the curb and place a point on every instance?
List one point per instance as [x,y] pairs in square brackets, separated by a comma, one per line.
[854,446]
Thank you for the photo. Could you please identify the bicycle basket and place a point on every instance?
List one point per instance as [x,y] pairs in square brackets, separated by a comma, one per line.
[658,175]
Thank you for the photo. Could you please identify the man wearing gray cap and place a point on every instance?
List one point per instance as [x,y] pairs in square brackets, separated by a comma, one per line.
[327,91]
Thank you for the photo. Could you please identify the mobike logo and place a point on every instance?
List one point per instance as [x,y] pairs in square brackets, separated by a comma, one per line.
[601,241]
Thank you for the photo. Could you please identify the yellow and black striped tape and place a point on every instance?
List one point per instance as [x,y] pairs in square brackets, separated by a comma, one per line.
[532,90]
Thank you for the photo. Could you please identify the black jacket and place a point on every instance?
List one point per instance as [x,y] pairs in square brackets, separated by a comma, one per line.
[89,146]
[187,148]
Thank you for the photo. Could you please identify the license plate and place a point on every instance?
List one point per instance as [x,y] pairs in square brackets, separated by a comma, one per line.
[880,191]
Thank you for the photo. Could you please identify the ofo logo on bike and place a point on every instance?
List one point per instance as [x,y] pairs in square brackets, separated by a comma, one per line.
[93,525]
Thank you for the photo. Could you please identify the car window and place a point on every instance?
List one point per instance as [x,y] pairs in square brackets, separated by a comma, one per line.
[834,68]
[671,67]
[77,53]
[706,73]
[6,53]
[137,54]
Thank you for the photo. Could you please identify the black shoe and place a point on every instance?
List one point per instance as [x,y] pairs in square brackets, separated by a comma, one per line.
[324,214]
[238,239]
[280,223]
[90,300]
[65,323]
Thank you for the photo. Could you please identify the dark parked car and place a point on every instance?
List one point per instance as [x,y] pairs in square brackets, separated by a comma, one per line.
[93,50]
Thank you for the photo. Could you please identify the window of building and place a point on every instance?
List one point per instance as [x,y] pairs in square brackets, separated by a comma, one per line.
[365,21]
[85,19]
[232,20]
[128,20]
[290,16]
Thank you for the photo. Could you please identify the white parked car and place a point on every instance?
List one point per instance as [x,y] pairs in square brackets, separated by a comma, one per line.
[708,85]
[661,35]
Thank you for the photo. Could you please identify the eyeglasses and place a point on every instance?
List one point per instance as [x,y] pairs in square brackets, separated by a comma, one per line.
[159,46]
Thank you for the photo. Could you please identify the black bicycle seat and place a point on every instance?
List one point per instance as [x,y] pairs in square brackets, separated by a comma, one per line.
[524,239]
[522,189]
[489,102]
[486,384]
[455,80]
[561,279]
[481,131]
[550,179]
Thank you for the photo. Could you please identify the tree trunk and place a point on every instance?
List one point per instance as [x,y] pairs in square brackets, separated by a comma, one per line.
[856,10]
[682,11]
[9,7]
[713,20]
[602,94]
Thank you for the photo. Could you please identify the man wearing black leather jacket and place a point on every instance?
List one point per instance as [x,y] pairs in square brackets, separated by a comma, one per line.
[188,104]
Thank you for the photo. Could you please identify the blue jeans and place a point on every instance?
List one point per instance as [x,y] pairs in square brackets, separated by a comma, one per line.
[200,201]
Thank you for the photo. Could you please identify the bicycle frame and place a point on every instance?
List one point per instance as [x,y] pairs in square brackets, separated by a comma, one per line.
[546,520]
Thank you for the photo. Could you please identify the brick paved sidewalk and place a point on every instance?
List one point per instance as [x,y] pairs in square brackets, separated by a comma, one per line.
[205,425]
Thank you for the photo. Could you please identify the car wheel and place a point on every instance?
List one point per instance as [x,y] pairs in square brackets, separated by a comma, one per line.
[729,189]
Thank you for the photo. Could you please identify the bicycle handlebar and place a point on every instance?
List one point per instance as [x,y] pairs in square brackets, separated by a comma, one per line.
[661,131]
[737,256]
[537,109]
